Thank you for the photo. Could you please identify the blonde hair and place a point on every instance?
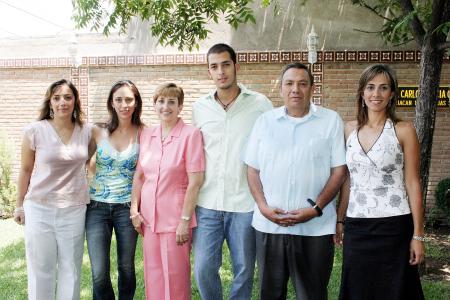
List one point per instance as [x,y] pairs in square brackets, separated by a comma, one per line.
[169,89]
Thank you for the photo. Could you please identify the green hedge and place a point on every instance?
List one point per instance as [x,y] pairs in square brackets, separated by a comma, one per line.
[442,195]
[7,186]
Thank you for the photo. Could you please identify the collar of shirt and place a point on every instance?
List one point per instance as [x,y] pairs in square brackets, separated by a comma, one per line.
[244,92]
[175,132]
[314,111]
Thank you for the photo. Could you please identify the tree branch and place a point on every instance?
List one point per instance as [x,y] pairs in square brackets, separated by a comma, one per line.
[443,46]
[438,14]
[405,42]
[415,25]
[365,31]
[365,5]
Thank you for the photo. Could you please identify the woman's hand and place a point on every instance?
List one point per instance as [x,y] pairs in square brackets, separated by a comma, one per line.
[338,237]
[136,219]
[416,252]
[19,216]
[182,233]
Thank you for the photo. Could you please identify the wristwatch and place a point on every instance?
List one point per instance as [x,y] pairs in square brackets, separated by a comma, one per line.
[185,218]
[315,206]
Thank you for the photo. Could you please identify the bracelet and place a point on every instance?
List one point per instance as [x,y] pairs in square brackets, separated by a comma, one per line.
[185,218]
[18,210]
[134,216]
[418,238]
[341,222]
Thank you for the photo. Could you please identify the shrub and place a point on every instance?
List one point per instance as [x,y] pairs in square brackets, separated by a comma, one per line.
[7,186]
[442,195]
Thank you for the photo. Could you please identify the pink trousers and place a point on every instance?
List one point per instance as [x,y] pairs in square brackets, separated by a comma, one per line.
[167,268]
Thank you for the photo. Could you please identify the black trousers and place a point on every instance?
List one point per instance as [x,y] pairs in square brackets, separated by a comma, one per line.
[307,260]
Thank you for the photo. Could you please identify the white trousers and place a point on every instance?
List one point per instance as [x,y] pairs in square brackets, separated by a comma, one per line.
[54,243]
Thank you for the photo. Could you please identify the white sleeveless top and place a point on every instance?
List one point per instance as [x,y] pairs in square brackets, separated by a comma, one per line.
[377,187]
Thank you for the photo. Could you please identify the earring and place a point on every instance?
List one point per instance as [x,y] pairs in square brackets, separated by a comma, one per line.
[74,114]
[363,104]
[51,114]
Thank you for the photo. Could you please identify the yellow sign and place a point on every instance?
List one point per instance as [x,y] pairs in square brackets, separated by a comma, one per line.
[407,96]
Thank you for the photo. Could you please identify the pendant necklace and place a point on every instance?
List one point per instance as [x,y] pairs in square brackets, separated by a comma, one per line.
[226,106]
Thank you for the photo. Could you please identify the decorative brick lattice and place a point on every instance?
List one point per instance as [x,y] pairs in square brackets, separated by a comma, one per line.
[243,58]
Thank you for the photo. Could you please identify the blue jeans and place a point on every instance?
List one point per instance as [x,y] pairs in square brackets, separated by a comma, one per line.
[101,219]
[213,227]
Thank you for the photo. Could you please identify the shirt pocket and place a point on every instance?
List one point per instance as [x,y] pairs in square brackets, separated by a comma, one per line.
[268,148]
[319,148]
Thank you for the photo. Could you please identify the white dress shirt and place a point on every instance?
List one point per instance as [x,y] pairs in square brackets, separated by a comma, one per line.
[295,158]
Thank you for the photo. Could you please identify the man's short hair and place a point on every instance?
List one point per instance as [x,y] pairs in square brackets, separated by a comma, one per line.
[297,66]
[220,48]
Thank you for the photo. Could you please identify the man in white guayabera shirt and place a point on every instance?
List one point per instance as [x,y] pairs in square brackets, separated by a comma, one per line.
[296,165]
[225,204]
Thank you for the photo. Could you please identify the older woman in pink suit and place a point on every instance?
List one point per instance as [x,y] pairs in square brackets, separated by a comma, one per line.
[168,177]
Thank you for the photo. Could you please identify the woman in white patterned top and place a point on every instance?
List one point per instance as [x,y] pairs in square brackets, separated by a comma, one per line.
[381,200]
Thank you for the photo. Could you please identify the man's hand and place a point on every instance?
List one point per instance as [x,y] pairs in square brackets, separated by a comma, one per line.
[301,215]
[276,215]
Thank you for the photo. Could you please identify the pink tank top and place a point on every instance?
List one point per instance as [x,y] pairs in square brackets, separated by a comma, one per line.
[59,174]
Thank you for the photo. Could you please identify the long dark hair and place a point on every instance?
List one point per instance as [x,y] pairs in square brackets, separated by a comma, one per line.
[113,122]
[77,114]
[367,75]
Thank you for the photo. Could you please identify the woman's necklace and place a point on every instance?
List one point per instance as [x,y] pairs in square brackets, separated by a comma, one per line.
[64,133]
[165,133]
[164,136]
[226,106]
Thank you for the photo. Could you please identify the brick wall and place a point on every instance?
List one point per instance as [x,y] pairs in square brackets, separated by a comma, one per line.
[23,88]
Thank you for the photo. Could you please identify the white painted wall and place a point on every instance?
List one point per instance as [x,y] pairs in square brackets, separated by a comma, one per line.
[335,22]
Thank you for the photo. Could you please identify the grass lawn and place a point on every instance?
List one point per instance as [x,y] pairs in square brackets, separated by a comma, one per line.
[13,277]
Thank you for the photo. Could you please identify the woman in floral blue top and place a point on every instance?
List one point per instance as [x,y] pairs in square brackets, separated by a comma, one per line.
[110,192]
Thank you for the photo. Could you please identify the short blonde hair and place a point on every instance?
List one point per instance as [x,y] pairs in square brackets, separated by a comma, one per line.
[169,90]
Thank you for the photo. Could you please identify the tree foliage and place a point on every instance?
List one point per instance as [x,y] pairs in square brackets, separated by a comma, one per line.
[405,21]
[181,23]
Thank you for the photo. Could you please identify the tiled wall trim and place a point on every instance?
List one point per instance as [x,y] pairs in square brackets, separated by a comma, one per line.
[243,57]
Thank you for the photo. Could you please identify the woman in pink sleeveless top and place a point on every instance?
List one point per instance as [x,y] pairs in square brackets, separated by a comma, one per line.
[53,192]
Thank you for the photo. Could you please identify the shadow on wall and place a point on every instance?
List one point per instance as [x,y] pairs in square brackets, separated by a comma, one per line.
[334,21]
